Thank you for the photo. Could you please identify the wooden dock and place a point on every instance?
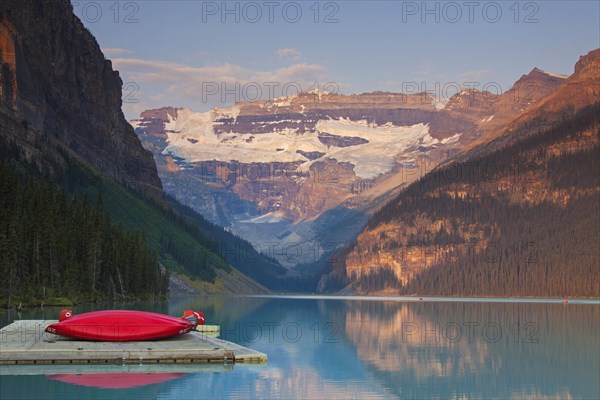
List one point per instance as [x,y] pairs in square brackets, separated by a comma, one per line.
[26,342]
[84,369]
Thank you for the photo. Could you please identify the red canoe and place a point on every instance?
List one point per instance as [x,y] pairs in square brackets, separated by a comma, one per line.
[123,325]
[125,380]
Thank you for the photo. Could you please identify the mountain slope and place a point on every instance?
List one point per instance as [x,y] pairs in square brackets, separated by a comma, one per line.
[306,171]
[61,122]
[518,216]
[579,90]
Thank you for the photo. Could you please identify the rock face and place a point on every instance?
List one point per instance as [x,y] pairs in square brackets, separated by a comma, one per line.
[273,170]
[55,77]
[491,111]
[541,106]
[466,217]
[523,95]
[577,91]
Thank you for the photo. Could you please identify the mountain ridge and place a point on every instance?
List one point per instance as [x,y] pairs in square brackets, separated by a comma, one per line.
[450,232]
[292,160]
[576,91]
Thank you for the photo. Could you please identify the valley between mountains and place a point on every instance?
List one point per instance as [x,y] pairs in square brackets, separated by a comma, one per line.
[304,178]
[479,194]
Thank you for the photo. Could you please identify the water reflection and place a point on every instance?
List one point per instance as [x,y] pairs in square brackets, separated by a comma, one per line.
[340,348]
[401,339]
[489,350]
[116,380]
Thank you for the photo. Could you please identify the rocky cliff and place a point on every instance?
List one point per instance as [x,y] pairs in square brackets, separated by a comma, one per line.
[56,83]
[546,104]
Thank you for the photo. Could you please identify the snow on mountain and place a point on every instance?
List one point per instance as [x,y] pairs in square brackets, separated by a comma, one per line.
[268,218]
[555,75]
[192,137]
[439,103]
[385,142]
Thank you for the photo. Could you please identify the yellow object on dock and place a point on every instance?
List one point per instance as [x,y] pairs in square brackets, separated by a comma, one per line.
[26,342]
[210,330]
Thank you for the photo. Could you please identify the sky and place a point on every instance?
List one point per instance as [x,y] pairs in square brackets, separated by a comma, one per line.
[204,54]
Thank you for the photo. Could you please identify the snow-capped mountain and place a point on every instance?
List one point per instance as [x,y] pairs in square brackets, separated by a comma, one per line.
[291,169]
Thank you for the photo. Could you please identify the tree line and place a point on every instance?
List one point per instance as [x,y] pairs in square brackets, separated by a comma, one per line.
[56,248]
[545,247]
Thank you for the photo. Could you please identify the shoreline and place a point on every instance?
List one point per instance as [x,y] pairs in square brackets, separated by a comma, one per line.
[417,298]
[363,297]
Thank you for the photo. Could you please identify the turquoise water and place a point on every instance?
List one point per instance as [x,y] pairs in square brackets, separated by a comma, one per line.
[361,348]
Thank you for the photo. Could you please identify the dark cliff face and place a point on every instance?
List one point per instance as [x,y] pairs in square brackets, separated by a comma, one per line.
[56,82]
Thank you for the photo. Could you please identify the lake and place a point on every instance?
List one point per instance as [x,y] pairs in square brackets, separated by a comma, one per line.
[364,348]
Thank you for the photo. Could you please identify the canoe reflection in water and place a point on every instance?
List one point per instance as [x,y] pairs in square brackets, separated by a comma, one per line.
[116,380]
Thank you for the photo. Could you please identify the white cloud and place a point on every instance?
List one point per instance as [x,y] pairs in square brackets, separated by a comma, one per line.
[472,75]
[426,68]
[294,54]
[117,51]
[163,83]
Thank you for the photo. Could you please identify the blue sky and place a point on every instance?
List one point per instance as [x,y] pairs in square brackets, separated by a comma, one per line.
[201,54]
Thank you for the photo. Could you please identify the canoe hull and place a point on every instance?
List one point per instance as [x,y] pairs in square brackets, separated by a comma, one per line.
[120,326]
